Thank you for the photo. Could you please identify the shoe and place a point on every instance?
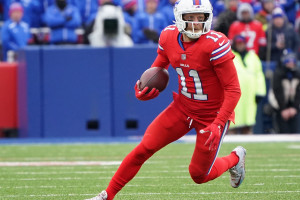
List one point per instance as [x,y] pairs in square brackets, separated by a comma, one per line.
[237,173]
[101,196]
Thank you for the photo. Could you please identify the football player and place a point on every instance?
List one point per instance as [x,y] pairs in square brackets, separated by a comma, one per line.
[208,93]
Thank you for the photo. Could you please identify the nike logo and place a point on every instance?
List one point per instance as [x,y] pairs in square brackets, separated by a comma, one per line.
[221,43]
[238,183]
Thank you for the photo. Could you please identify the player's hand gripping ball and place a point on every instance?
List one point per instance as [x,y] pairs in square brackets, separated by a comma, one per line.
[154,77]
[152,81]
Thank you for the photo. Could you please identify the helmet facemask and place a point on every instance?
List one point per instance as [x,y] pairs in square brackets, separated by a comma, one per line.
[183,7]
[195,32]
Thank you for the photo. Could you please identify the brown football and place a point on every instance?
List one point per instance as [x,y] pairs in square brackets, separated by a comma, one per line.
[154,77]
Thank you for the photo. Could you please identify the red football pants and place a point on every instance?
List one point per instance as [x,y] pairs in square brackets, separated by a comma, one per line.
[168,127]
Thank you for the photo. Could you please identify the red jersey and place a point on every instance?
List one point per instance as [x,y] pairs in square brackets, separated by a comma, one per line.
[201,80]
[253,32]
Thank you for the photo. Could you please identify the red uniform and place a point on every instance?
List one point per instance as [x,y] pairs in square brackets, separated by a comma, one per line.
[201,79]
[208,92]
[253,32]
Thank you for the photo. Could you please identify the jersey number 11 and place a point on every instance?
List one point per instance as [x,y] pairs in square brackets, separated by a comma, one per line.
[197,83]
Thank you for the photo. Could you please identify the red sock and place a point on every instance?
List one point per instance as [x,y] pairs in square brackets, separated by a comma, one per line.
[221,165]
[127,170]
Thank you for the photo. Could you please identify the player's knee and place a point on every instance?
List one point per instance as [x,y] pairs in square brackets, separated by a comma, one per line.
[197,174]
[142,153]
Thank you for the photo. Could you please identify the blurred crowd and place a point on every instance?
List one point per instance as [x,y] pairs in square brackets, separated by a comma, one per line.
[264,35]
[129,22]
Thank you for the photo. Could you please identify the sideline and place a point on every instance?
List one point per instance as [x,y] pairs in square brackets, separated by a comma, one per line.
[135,139]
[252,138]
[59,163]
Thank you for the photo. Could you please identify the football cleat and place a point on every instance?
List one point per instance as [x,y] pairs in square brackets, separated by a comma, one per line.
[237,173]
[101,196]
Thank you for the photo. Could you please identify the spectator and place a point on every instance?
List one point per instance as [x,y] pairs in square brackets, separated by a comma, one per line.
[219,6]
[141,5]
[114,2]
[88,10]
[148,24]
[281,35]
[297,22]
[285,94]
[109,28]
[252,83]
[32,11]
[129,11]
[167,10]
[227,17]
[15,32]
[1,12]
[161,4]
[290,7]
[47,3]
[265,13]
[251,29]
[63,19]
[255,4]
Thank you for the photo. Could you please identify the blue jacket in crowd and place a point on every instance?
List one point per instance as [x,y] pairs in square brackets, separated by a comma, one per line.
[14,36]
[167,10]
[290,8]
[290,37]
[129,19]
[63,23]
[32,11]
[47,3]
[144,20]
[88,10]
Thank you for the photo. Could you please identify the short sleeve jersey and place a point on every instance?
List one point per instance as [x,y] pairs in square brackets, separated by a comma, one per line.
[200,90]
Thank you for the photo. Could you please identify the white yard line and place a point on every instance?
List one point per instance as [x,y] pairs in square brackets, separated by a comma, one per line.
[207,193]
[59,163]
[130,185]
[153,193]
[251,138]
[137,177]
[294,147]
[144,171]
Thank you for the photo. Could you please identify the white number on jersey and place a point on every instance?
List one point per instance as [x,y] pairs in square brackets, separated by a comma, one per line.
[214,36]
[172,28]
[197,83]
[251,35]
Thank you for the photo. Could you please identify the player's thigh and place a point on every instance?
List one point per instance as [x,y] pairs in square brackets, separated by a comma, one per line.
[202,157]
[167,127]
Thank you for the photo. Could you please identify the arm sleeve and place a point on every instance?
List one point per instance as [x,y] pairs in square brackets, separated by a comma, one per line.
[227,75]
[161,61]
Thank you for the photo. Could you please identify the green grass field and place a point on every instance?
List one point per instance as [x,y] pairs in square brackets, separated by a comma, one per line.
[272,172]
